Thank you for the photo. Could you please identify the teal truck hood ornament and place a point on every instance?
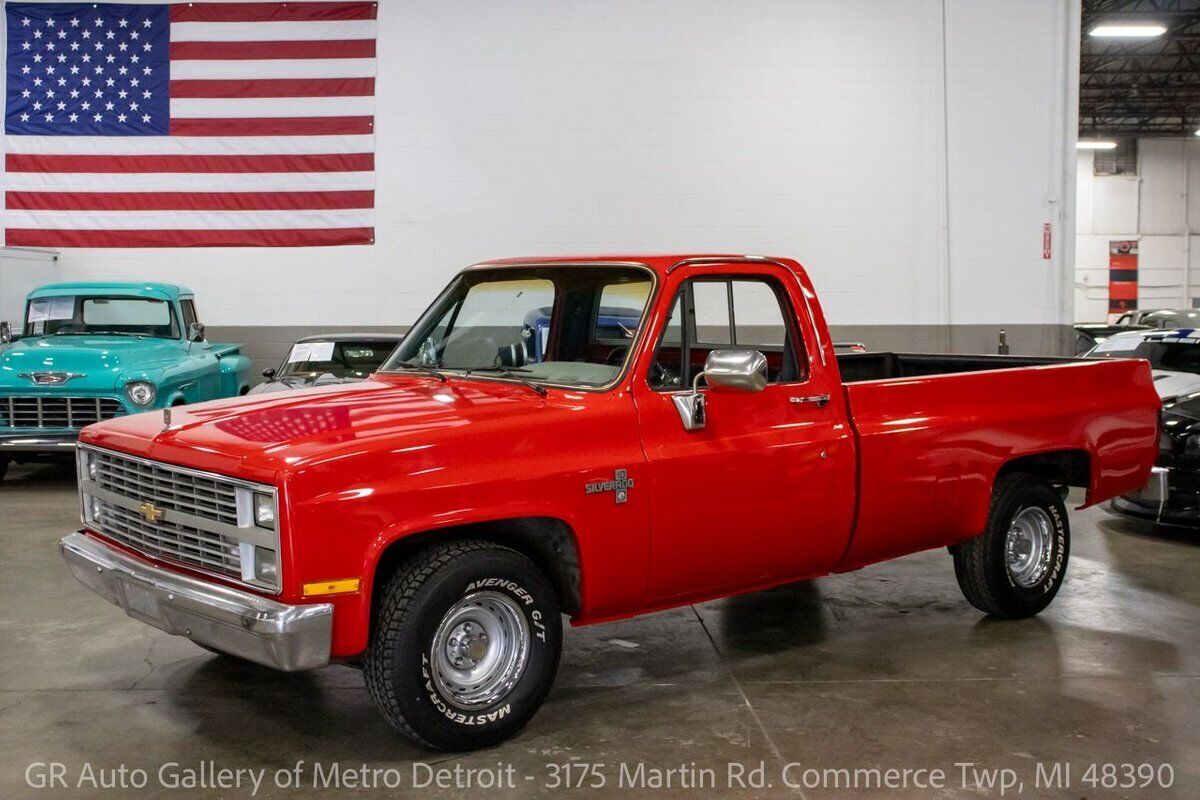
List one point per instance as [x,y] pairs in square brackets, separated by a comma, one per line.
[91,351]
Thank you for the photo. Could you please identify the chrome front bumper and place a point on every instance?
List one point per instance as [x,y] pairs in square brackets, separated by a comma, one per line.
[288,638]
[37,442]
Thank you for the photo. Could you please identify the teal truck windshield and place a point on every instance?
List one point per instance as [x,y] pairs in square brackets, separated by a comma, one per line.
[561,325]
[83,314]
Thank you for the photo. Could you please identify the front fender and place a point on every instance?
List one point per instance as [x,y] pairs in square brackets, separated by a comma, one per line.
[235,374]
[353,611]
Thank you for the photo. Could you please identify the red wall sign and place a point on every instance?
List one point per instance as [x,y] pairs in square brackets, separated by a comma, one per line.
[1122,276]
[1046,249]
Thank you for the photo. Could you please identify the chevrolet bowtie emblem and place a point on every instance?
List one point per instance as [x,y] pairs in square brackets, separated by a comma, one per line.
[49,378]
[150,513]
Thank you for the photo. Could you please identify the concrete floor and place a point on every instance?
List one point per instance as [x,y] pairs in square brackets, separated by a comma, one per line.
[886,668]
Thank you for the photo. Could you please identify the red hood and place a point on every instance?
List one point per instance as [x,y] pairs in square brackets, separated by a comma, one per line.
[256,437]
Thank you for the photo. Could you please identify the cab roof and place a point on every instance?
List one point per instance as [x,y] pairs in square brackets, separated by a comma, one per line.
[156,291]
[659,262]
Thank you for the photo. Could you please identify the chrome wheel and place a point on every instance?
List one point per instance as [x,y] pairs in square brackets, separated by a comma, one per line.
[1029,546]
[479,650]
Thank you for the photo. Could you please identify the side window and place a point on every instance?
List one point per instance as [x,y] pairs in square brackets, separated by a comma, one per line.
[189,313]
[735,312]
[666,373]
[712,312]
[758,318]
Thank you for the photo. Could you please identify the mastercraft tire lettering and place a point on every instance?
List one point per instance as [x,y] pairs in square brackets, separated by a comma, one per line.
[1018,564]
[465,646]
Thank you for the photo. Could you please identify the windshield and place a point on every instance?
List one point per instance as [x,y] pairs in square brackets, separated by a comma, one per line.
[98,314]
[342,359]
[1176,355]
[563,325]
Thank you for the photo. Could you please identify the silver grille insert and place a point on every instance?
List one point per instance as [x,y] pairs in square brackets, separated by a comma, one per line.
[57,412]
[168,540]
[194,518]
[167,488]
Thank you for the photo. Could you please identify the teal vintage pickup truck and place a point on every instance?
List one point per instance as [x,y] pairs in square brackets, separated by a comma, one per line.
[92,351]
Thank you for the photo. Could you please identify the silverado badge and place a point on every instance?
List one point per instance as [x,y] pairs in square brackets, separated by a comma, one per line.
[150,512]
[621,484]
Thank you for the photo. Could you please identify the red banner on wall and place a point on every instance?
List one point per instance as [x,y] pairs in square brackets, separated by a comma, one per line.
[1122,276]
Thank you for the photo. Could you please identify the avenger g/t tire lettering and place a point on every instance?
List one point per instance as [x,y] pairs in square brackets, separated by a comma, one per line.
[1014,569]
[465,644]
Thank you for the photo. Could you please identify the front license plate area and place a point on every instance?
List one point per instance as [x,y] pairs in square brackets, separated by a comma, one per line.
[140,603]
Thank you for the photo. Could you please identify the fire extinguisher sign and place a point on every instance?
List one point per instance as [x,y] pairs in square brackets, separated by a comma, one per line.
[1047,250]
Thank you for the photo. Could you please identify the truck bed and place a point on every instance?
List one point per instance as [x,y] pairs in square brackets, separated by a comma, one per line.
[872,366]
[933,430]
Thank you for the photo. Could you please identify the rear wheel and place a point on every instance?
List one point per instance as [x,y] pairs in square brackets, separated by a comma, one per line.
[1015,568]
[464,645]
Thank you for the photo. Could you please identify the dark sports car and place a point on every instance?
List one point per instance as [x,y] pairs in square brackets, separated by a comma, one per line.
[1090,334]
[1172,495]
[323,360]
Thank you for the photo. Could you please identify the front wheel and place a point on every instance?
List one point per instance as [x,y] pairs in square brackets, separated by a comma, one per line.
[1014,569]
[465,645]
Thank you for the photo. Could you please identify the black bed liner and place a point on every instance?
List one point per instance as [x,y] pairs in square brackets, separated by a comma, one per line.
[876,366]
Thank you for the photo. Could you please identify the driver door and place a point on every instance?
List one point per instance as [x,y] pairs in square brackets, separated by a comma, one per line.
[763,493]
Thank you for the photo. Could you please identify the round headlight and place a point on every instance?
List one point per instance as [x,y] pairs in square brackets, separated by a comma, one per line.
[140,393]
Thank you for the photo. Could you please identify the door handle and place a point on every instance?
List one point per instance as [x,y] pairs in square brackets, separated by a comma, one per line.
[819,400]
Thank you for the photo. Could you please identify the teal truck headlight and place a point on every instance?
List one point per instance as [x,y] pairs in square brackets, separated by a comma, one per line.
[140,393]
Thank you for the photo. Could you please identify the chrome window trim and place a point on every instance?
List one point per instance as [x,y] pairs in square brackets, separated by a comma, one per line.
[747,259]
[257,532]
[651,298]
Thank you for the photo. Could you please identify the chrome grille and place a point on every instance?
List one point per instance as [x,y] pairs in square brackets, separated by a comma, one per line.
[197,519]
[181,543]
[56,412]
[167,488]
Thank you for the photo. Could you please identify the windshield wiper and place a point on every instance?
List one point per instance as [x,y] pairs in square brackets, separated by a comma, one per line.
[419,368]
[508,372]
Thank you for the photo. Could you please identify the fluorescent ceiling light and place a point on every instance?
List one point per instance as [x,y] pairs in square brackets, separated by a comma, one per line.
[1128,31]
[1095,145]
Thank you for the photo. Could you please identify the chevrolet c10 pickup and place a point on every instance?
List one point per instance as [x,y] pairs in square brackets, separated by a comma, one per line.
[434,523]
[91,351]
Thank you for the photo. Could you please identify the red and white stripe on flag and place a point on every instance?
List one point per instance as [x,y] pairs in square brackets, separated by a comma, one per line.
[271,142]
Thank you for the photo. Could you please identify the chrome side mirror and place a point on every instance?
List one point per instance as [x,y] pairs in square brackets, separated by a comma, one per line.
[724,371]
[5,333]
[735,371]
[196,332]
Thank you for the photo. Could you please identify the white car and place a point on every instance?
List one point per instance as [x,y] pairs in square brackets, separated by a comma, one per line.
[1174,357]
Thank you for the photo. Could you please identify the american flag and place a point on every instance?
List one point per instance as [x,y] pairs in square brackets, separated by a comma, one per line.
[189,124]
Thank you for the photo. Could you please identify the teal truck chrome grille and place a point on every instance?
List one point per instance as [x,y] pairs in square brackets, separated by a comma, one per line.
[198,519]
[56,411]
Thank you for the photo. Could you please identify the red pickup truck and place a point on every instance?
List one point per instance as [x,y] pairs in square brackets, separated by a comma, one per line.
[700,438]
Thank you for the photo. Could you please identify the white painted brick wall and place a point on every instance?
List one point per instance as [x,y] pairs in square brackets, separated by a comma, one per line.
[813,129]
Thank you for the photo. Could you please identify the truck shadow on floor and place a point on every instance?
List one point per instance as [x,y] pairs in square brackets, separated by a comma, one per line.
[785,618]
[54,474]
[237,705]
